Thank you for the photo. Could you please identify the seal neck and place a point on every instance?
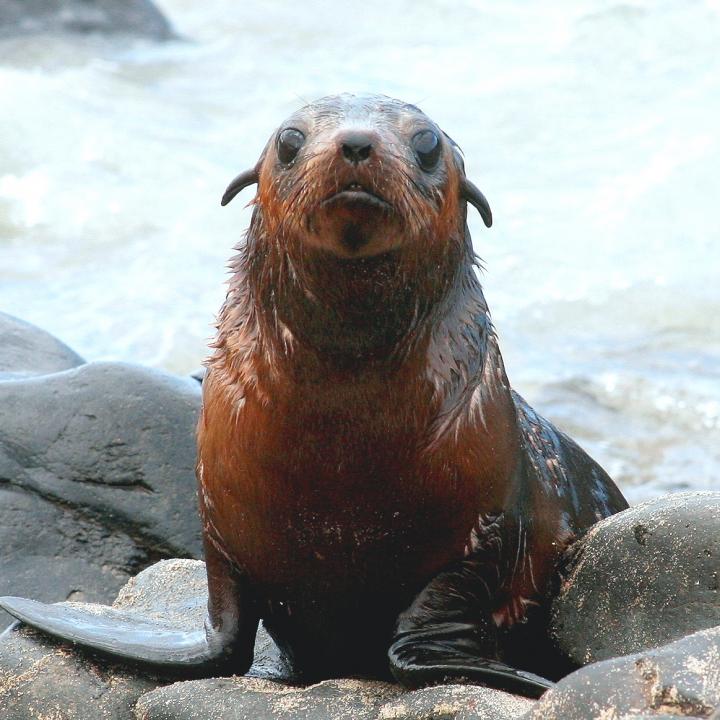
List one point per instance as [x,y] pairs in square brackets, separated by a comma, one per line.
[354,311]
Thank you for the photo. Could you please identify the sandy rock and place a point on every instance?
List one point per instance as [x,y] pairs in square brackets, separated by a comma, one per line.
[44,680]
[132,17]
[681,679]
[97,479]
[641,578]
[251,699]
[42,683]
[456,702]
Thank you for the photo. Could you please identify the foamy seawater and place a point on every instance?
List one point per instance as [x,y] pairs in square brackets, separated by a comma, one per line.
[592,127]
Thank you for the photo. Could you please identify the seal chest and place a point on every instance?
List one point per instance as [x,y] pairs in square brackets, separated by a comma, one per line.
[335,490]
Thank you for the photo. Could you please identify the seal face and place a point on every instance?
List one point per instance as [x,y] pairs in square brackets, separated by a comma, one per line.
[346,174]
[370,485]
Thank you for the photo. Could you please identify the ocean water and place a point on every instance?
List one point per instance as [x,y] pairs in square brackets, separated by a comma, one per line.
[593,127]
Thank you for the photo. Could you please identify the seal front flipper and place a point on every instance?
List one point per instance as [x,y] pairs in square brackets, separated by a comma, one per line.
[447,635]
[225,644]
[117,634]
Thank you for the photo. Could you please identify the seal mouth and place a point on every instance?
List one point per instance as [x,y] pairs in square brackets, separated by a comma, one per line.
[355,194]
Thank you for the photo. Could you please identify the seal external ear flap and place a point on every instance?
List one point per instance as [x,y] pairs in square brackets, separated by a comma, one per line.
[249,177]
[473,195]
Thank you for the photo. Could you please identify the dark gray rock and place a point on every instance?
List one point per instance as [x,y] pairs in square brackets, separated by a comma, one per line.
[96,479]
[251,699]
[133,17]
[680,679]
[456,702]
[26,350]
[641,578]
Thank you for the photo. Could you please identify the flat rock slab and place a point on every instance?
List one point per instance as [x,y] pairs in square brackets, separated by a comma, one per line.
[132,17]
[681,679]
[251,699]
[97,479]
[26,350]
[641,578]
[456,702]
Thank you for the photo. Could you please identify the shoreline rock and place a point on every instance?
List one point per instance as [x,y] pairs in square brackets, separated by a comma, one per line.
[97,469]
[26,350]
[640,579]
[131,17]
[681,679]
[41,678]
[97,482]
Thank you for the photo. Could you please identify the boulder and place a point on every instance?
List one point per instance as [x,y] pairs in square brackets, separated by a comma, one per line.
[456,702]
[96,478]
[641,578]
[132,17]
[681,679]
[250,698]
[26,350]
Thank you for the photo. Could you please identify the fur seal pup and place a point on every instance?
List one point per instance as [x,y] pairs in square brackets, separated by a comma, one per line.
[370,486]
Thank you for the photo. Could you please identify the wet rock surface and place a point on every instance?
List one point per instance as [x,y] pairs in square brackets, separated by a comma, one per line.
[642,578]
[39,676]
[97,475]
[132,17]
[681,679]
[97,482]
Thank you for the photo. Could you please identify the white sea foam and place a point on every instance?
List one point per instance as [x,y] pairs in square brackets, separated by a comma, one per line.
[591,126]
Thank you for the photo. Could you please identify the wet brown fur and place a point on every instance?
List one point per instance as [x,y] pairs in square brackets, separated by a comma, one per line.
[359,433]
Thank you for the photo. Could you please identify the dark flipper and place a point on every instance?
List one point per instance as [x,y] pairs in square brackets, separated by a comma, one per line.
[224,645]
[448,635]
[452,652]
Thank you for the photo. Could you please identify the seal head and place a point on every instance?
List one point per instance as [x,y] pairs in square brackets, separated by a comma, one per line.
[360,176]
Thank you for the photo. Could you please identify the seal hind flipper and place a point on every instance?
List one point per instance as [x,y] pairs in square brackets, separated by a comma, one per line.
[448,634]
[117,634]
[449,652]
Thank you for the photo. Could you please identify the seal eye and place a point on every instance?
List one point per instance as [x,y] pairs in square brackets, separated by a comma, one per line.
[427,148]
[289,143]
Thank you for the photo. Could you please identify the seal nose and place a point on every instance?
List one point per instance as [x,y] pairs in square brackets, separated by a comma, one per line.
[356,146]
